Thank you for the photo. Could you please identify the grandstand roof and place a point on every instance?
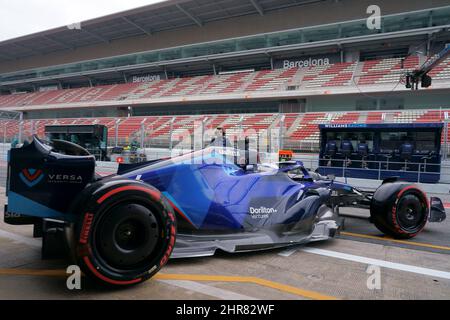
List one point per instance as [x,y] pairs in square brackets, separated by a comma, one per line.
[167,15]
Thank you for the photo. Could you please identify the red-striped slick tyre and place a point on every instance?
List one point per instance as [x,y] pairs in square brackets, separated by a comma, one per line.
[126,232]
[399,210]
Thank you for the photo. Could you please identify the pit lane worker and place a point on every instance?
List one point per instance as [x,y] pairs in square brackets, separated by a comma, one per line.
[220,139]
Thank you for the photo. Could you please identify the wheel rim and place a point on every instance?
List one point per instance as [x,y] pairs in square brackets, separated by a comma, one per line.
[127,237]
[130,235]
[411,212]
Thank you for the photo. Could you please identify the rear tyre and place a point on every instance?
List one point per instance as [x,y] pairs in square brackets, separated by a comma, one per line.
[399,210]
[126,232]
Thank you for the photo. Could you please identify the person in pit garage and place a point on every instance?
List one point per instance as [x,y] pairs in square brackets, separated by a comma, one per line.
[347,150]
[220,139]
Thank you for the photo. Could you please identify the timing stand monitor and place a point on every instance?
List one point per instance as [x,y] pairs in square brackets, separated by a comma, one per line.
[380,151]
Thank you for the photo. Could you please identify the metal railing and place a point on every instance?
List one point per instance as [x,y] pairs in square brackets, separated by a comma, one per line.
[147,139]
[4,148]
[11,133]
[302,146]
[169,136]
[379,170]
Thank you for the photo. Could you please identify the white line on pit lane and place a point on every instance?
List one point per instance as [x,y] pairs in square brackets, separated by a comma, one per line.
[20,239]
[288,252]
[208,290]
[370,261]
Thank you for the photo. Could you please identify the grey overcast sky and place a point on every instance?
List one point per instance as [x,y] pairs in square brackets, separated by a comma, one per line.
[22,17]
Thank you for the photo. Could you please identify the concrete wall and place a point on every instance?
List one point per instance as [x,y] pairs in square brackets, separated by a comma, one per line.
[426,100]
[312,14]
[411,100]
[330,103]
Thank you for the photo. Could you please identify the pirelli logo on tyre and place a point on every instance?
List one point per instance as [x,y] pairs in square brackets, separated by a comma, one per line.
[171,245]
[86,228]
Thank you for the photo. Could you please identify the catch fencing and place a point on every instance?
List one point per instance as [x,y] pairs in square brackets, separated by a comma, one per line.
[11,134]
[183,134]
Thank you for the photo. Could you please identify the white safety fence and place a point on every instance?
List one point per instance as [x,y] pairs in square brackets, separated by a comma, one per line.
[166,132]
[3,162]
[11,133]
[419,171]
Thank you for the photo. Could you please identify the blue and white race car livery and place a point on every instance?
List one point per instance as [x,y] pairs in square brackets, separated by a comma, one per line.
[122,229]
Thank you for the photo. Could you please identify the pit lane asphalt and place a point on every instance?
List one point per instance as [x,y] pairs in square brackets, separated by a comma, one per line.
[335,269]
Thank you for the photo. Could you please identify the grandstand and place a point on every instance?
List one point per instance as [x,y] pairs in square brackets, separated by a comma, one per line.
[371,73]
[137,71]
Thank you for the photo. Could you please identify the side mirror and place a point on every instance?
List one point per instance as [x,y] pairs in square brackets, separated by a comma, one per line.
[250,167]
[331,177]
[437,210]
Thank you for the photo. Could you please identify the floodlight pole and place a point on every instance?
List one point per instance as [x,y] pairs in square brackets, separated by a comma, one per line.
[171,134]
[116,132]
[283,117]
[241,132]
[150,135]
[36,128]
[203,131]
[143,133]
[20,127]
[33,127]
[446,122]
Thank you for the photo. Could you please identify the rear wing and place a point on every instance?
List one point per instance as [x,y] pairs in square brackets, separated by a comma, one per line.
[42,183]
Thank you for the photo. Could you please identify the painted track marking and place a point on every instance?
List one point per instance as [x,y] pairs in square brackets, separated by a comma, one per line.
[411,243]
[381,263]
[208,290]
[190,277]
[254,280]
[288,252]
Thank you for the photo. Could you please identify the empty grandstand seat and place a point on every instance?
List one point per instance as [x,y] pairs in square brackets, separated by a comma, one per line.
[385,71]
[333,75]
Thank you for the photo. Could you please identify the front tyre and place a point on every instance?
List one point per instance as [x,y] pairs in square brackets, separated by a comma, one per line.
[126,232]
[399,210]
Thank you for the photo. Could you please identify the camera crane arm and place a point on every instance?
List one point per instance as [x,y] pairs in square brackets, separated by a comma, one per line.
[421,75]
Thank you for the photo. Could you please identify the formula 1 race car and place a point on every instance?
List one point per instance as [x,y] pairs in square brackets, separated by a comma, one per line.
[121,229]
